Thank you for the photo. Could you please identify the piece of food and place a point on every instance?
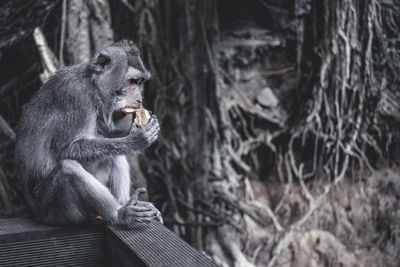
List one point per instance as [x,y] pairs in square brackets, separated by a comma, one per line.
[141,115]
[128,110]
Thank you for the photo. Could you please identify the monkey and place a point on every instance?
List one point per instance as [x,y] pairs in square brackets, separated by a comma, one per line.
[70,156]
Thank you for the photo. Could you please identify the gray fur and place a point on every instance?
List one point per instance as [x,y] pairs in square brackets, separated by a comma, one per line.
[71,156]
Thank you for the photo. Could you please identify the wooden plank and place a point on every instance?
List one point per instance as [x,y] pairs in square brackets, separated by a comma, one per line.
[156,245]
[24,242]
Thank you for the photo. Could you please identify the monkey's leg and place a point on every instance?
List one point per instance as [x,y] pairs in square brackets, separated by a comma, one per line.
[141,211]
[120,180]
[71,194]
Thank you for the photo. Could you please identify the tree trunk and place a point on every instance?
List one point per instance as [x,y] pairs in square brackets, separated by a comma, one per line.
[89,28]
[78,41]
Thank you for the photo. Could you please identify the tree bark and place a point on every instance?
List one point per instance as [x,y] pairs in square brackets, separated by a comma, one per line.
[78,41]
[101,32]
[89,28]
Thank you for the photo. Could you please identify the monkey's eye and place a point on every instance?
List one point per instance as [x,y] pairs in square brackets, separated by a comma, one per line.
[120,91]
[138,81]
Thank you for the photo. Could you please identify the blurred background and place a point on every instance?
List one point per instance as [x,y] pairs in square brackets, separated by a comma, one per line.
[280,118]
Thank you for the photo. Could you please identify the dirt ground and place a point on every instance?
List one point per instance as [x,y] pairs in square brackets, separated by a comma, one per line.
[357,223]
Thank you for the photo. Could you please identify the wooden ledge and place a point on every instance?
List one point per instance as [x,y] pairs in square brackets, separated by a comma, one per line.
[24,242]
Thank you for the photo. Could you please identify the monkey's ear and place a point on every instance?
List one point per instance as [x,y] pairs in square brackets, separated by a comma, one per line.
[102,60]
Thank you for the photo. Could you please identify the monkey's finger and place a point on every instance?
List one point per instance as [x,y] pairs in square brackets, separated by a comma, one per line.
[140,190]
[138,220]
[159,218]
[146,204]
[132,201]
[142,220]
[140,208]
[151,207]
[152,122]
[153,132]
[134,197]
[149,214]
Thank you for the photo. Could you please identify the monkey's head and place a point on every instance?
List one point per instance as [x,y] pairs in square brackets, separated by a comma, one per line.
[119,74]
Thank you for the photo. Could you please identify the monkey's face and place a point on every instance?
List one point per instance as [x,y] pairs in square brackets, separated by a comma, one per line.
[121,75]
[130,94]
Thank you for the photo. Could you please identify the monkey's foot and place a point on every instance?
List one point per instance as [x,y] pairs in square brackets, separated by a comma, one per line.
[138,211]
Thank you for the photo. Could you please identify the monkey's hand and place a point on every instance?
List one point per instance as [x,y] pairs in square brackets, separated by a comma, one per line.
[138,211]
[142,138]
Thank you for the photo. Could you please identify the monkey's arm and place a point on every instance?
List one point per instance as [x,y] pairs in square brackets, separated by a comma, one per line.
[117,133]
[100,148]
